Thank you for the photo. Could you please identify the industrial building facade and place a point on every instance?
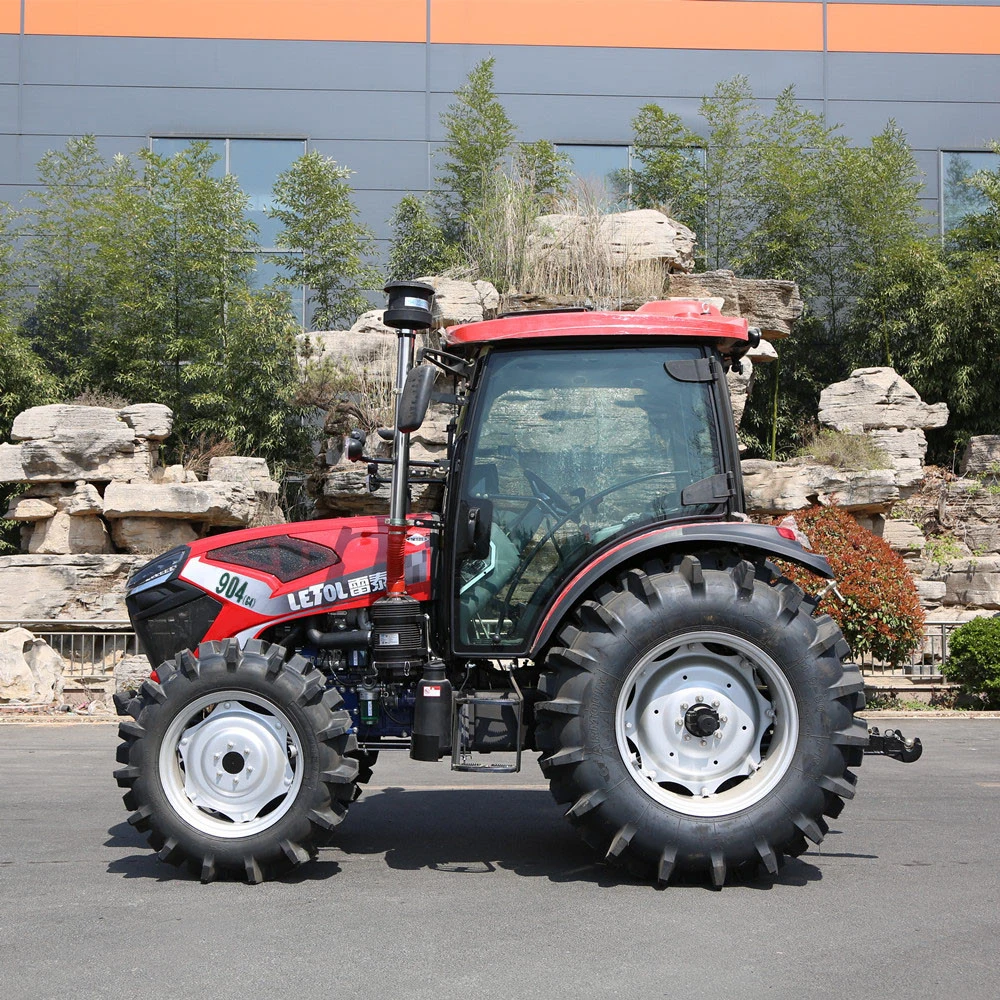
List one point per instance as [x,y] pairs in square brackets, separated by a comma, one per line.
[365,81]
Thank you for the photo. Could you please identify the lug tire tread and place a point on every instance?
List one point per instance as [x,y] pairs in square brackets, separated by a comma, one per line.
[295,687]
[587,773]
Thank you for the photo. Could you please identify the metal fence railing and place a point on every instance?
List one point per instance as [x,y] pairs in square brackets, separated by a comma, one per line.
[90,649]
[925,661]
[95,648]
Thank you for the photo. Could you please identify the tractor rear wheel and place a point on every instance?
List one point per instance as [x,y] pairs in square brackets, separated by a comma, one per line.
[699,720]
[236,761]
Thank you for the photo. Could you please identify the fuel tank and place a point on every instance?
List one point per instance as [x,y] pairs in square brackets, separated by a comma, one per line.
[239,584]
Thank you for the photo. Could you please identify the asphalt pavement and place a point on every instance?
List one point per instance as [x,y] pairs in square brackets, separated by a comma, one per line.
[445,885]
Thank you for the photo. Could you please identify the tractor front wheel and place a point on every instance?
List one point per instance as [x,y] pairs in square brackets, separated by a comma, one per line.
[699,720]
[236,760]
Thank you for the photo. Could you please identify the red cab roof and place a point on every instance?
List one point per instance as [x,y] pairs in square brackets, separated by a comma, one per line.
[669,318]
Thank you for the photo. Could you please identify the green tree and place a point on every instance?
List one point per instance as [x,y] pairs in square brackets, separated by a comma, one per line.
[979,231]
[730,161]
[61,230]
[478,136]
[546,172]
[668,174]
[418,244]
[313,202]
[144,293]
[242,386]
[24,378]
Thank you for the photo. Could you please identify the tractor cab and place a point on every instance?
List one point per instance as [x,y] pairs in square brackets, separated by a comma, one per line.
[578,430]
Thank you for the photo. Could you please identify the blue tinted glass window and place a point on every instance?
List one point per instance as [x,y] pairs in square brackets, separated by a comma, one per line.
[958,198]
[603,169]
[170,147]
[256,164]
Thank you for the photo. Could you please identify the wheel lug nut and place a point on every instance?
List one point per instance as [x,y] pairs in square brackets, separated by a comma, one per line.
[679,722]
[684,706]
[718,735]
[229,746]
[723,718]
[704,743]
[715,704]
[686,736]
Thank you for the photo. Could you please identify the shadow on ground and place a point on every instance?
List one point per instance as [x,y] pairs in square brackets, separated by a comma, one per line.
[455,832]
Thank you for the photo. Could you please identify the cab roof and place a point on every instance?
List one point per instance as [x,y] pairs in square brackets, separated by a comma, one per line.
[691,318]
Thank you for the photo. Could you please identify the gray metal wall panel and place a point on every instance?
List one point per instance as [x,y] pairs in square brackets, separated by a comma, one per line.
[927,125]
[229,63]
[8,108]
[32,148]
[8,58]
[564,118]
[397,166]
[893,77]
[375,207]
[525,69]
[8,157]
[183,110]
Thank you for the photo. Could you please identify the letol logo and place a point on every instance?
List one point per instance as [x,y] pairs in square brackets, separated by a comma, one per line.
[321,594]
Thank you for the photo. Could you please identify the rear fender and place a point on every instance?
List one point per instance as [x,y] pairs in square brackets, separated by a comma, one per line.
[755,541]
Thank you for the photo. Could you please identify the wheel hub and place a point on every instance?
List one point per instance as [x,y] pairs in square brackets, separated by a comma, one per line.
[701,721]
[235,761]
[230,772]
[692,720]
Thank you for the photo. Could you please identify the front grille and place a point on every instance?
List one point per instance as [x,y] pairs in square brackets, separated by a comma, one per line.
[173,617]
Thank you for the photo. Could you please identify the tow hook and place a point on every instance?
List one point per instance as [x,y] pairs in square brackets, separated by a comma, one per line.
[892,743]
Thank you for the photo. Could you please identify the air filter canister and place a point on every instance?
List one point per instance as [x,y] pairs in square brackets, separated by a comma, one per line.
[397,630]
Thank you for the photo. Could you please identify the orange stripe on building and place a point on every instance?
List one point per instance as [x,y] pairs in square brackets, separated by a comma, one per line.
[319,20]
[862,27]
[10,17]
[667,24]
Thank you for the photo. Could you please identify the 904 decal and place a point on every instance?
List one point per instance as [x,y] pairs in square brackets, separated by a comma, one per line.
[234,588]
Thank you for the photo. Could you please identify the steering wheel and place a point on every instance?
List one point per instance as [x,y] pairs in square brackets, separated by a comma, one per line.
[555,501]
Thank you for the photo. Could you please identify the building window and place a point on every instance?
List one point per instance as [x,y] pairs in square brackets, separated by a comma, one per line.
[958,200]
[601,170]
[256,163]
[606,171]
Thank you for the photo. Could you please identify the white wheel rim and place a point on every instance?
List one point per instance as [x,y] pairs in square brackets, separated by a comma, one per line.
[731,682]
[230,764]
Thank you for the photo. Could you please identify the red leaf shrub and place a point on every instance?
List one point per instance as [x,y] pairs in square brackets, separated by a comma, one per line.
[881,612]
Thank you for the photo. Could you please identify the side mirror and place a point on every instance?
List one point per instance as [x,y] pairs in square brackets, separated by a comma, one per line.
[355,445]
[415,398]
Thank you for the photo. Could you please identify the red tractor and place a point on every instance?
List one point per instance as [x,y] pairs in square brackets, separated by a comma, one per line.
[592,590]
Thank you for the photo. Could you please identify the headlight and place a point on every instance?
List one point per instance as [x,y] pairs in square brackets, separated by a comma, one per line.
[158,571]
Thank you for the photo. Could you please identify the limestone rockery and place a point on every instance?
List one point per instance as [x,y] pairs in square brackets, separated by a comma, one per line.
[97,502]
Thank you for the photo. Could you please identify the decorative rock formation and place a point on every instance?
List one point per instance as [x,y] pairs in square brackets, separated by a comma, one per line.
[30,669]
[458,302]
[975,582]
[75,587]
[64,443]
[225,504]
[771,305]
[982,455]
[877,399]
[785,487]
[881,404]
[92,489]
[628,237]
